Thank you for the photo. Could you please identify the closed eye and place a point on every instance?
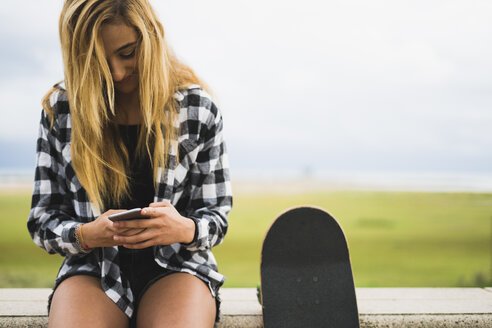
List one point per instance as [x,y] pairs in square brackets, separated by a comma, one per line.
[128,55]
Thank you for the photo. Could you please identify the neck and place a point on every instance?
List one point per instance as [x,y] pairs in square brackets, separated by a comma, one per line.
[127,109]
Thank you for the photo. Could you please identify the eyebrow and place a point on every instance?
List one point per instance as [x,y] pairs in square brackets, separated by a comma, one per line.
[129,44]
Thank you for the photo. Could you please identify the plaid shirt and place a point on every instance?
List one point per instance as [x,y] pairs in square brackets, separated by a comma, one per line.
[199,188]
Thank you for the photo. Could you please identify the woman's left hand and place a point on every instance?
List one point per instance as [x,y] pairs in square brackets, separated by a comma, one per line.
[165,227]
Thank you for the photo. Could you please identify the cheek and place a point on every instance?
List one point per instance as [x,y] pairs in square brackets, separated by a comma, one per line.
[134,64]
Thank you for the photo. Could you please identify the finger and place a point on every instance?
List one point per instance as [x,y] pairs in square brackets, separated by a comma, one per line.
[154,211]
[133,224]
[130,232]
[135,239]
[164,203]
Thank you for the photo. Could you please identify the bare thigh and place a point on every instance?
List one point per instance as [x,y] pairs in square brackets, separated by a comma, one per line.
[79,301]
[177,300]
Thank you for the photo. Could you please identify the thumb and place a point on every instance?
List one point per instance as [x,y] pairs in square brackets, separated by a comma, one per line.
[160,204]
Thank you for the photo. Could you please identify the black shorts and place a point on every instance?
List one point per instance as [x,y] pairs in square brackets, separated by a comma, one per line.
[141,270]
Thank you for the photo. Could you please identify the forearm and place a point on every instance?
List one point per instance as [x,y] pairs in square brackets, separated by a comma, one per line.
[211,228]
[55,235]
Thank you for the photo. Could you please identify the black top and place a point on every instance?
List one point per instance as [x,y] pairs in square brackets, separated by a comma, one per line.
[141,188]
[141,185]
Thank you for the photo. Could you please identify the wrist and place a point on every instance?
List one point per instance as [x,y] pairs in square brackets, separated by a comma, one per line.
[189,231]
[85,236]
[79,236]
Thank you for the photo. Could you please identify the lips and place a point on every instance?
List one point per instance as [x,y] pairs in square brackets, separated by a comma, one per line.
[126,79]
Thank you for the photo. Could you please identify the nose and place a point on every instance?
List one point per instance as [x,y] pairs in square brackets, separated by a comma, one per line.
[117,70]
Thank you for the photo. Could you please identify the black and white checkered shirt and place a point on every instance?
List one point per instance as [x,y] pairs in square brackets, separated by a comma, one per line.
[199,188]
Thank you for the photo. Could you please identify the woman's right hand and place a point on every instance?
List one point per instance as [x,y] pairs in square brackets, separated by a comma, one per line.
[101,231]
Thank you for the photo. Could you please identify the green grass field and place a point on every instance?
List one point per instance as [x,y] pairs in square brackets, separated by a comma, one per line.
[403,239]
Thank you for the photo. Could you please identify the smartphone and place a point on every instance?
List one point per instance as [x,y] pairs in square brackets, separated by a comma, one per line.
[132,214]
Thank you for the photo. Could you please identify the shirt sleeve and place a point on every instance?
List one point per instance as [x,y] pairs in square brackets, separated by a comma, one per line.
[51,221]
[211,192]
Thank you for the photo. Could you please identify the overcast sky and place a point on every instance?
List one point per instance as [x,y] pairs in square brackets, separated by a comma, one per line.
[320,85]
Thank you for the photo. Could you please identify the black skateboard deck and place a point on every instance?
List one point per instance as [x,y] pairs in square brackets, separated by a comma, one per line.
[306,276]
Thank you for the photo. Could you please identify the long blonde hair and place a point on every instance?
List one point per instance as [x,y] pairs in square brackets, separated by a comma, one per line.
[99,157]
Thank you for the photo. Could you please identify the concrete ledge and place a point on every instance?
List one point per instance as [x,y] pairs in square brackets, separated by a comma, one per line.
[378,307]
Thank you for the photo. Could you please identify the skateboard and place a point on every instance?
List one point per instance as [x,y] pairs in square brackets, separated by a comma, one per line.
[306,276]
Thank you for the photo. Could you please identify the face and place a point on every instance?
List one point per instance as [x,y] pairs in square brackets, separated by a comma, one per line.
[120,46]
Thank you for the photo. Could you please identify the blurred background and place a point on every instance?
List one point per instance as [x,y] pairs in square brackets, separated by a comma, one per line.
[379,112]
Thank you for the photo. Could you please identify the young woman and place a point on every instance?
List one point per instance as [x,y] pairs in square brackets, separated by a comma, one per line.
[129,127]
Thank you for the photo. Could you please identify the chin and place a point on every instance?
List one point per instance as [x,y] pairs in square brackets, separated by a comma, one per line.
[126,88]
